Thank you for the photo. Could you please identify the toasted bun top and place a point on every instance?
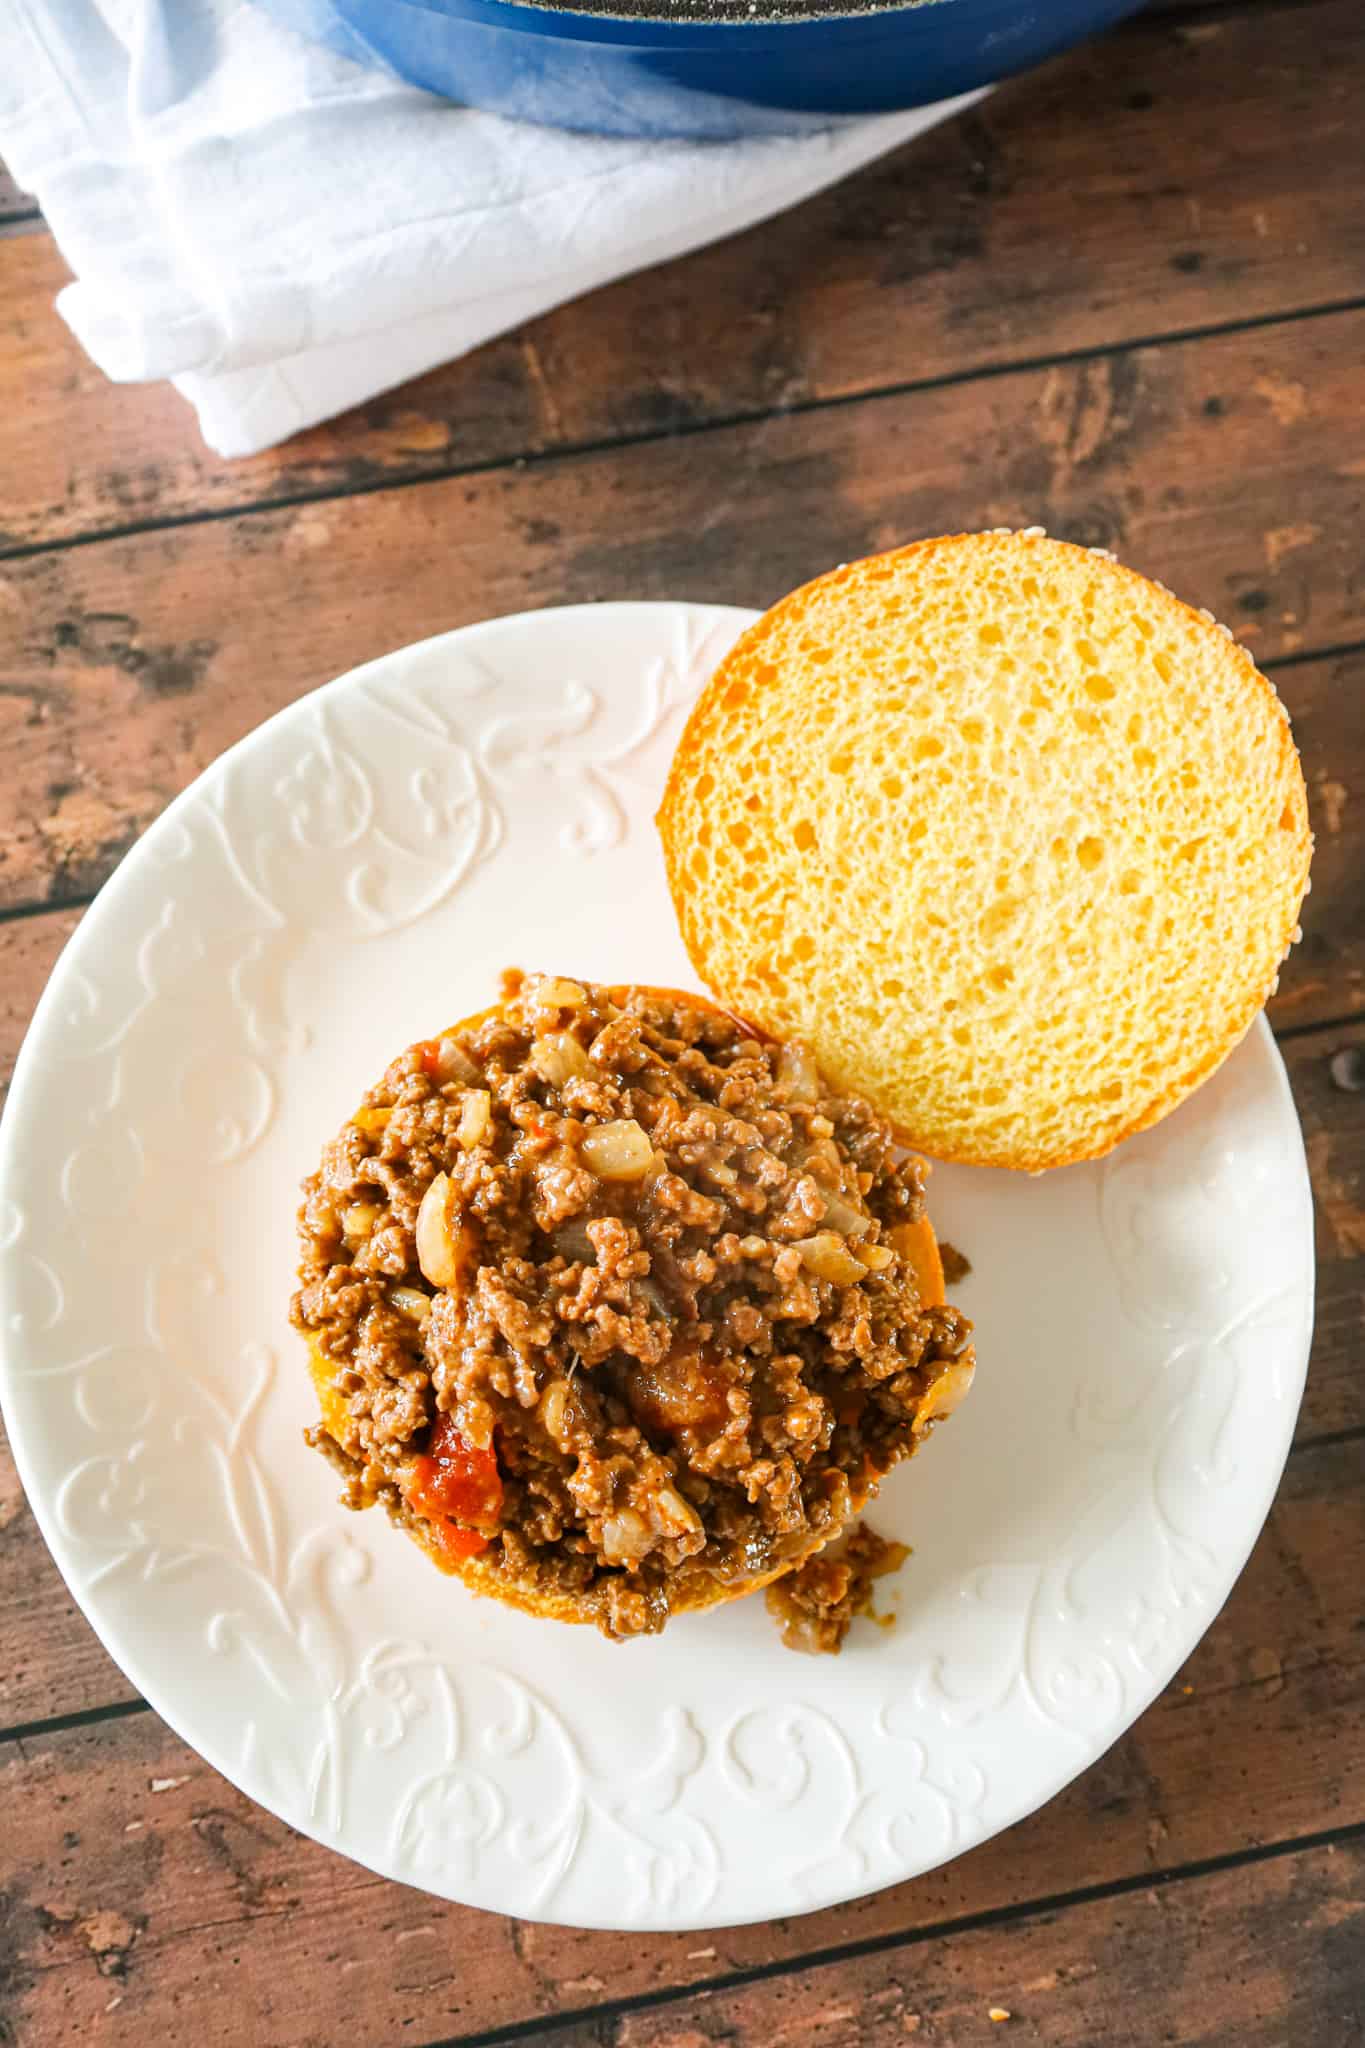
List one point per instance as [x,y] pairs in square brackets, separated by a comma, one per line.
[1013,838]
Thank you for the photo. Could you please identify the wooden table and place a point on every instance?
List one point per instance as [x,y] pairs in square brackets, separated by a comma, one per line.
[1126,299]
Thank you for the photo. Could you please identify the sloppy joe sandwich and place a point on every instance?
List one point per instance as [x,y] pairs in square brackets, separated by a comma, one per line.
[617,1307]
[1011,837]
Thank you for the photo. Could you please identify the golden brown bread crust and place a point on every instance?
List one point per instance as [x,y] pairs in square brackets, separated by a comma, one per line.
[481,1578]
[762,684]
[917,1245]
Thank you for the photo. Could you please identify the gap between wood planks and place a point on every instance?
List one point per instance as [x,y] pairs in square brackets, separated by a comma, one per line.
[544,458]
[601,2016]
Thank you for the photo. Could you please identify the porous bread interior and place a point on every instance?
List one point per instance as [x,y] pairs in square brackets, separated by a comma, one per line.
[1013,838]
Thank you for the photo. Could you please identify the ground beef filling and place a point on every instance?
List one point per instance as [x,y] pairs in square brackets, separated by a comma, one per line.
[814,1605]
[609,1296]
[956,1264]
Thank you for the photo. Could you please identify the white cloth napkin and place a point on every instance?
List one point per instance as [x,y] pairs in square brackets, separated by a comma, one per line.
[283,234]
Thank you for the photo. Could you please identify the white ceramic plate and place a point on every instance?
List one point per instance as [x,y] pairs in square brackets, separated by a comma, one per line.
[348,879]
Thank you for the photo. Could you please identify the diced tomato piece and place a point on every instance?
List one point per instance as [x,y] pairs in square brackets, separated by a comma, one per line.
[454,1540]
[431,1053]
[459,1484]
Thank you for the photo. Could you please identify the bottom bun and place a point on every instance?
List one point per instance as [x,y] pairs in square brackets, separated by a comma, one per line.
[914,1242]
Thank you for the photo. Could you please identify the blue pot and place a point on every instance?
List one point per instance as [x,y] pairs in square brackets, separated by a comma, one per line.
[703,68]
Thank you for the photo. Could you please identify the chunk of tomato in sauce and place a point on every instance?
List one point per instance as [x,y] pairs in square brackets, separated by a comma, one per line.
[455,1540]
[458,1488]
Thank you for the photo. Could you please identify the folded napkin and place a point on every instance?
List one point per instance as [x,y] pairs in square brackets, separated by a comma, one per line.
[283,234]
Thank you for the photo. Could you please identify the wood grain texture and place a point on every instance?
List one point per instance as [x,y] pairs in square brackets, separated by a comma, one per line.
[1164,178]
[1199,172]
[1264,1955]
[120,1835]
[53,1662]
[1229,467]
[1326,700]
[29,950]
[50,1653]
[1327,1070]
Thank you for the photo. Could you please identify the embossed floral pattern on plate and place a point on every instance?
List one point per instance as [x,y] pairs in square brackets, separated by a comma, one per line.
[352,877]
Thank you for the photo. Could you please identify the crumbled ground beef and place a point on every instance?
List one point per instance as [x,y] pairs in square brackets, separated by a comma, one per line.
[956,1264]
[814,1605]
[631,1274]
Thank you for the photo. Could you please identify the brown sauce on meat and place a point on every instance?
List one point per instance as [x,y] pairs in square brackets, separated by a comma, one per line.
[640,1264]
[815,1605]
[956,1264]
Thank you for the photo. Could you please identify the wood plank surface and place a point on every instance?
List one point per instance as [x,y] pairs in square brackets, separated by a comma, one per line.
[53,1662]
[1229,466]
[1262,1956]
[1327,1072]
[1165,178]
[120,1835]
[1325,975]
[1125,299]
[29,950]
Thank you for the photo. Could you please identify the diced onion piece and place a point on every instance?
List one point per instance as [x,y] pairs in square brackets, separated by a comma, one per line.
[558,1057]
[359,1220]
[877,1256]
[625,1537]
[674,1516]
[796,1071]
[709,1112]
[821,1159]
[448,1061]
[551,992]
[410,1302]
[617,1151]
[716,1170]
[371,1121]
[829,1258]
[843,1217]
[571,1241]
[439,1234]
[948,1392]
[554,1409]
[476,1113]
